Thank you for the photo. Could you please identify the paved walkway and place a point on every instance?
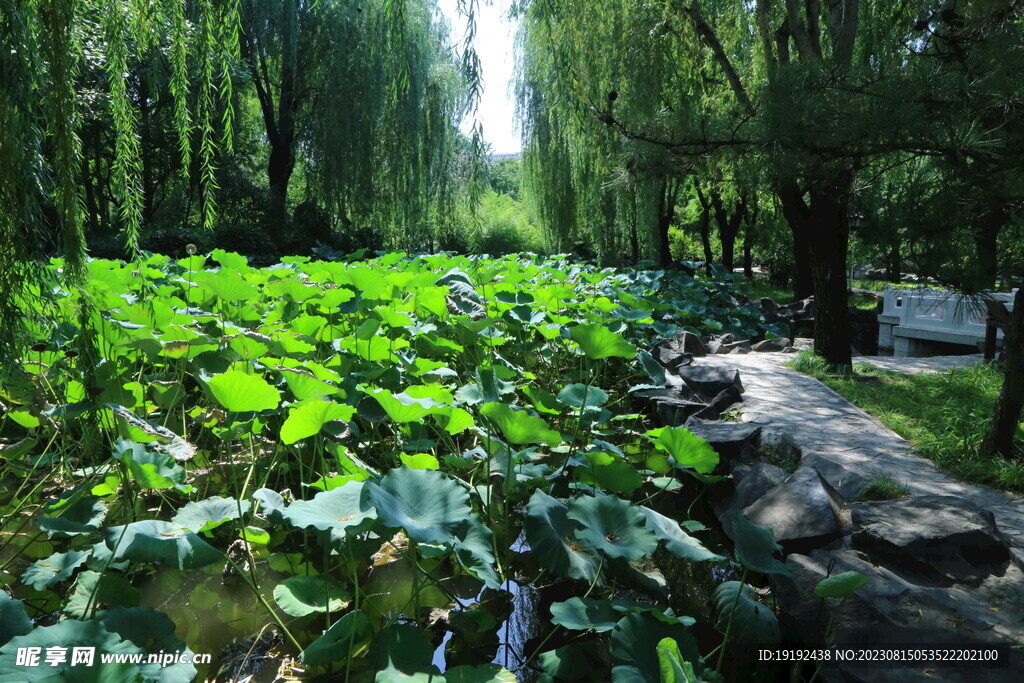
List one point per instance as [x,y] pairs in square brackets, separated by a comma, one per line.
[804,413]
[917,366]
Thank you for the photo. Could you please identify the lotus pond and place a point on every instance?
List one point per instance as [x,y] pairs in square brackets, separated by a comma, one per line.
[405,468]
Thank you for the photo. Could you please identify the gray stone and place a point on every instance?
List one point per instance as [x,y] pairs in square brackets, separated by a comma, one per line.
[740,349]
[941,537]
[890,609]
[754,481]
[719,404]
[672,411]
[803,511]
[732,441]
[768,345]
[727,338]
[710,382]
[730,347]
[715,346]
[690,343]
[767,305]
[672,357]
[803,344]
[843,479]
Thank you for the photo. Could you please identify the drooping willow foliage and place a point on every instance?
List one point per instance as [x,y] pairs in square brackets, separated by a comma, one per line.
[40,151]
[361,99]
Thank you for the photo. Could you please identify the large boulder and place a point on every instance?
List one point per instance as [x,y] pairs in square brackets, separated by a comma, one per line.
[733,441]
[710,382]
[938,537]
[771,345]
[688,342]
[752,482]
[849,484]
[803,511]
[725,399]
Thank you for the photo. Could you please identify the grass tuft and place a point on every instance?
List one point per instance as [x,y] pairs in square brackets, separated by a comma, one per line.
[883,488]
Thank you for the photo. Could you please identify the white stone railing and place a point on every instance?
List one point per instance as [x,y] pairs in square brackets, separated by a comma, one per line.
[930,314]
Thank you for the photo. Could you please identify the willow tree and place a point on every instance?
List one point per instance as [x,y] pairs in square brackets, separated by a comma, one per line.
[40,151]
[808,89]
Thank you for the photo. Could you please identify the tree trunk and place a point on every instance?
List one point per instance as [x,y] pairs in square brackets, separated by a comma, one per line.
[986,236]
[282,153]
[705,236]
[1003,430]
[895,267]
[797,215]
[828,243]
[748,256]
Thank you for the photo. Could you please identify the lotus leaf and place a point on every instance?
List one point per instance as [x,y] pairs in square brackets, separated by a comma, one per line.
[302,595]
[613,526]
[518,426]
[161,542]
[597,342]
[752,622]
[241,392]
[428,505]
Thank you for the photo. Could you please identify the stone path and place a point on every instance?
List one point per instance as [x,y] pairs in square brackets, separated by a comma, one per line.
[917,366]
[929,581]
[804,414]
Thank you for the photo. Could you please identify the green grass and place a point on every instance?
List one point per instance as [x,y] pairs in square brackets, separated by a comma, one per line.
[883,488]
[944,415]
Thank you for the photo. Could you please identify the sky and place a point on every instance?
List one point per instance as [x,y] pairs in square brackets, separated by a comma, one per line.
[495,36]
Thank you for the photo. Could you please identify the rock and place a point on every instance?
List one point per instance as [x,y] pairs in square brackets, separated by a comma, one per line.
[847,482]
[803,344]
[733,441]
[688,342]
[708,381]
[672,411]
[890,609]
[769,345]
[803,511]
[740,349]
[714,346]
[727,338]
[754,481]
[940,537]
[720,403]
[767,305]
[732,346]
[671,357]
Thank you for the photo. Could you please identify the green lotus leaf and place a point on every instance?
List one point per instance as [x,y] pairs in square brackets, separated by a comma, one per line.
[481,673]
[420,461]
[340,511]
[654,369]
[841,585]
[685,448]
[677,541]
[584,614]
[613,526]
[518,426]
[94,590]
[634,647]
[582,396]
[225,285]
[553,542]
[153,631]
[209,513]
[336,642]
[230,261]
[292,289]
[486,388]
[309,417]
[755,545]
[79,516]
[248,347]
[474,549]
[402,407]
[752,622]
[302,595]
[543,401]
[241,392]
[304,386]
[53,569]
[428,505]
[674,669]
[408,652]
[160,542]
[582,661]
[70,634]
[151,469]
[13,619]
[613,476]
[597,342]
[454,420]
